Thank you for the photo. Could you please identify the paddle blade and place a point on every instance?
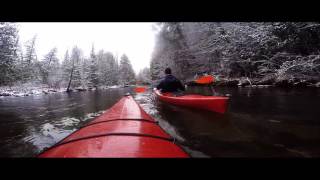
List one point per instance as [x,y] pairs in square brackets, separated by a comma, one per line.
[140,89]
[205,79]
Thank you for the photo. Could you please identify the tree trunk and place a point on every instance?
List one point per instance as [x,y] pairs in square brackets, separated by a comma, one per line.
[68,88]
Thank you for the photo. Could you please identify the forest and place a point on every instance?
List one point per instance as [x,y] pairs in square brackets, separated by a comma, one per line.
[240,53]
[22,70]
[283,54]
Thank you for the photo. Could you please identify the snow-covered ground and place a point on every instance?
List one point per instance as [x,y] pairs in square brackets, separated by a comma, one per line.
[113,87]
[31,89]
[110,87]
[24,90]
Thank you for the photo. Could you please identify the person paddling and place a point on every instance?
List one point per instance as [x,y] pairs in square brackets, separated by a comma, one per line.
[171,84]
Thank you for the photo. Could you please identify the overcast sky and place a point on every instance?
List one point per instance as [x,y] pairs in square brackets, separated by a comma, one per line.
[134,39]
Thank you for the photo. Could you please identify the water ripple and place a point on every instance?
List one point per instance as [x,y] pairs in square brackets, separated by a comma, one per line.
[51,133]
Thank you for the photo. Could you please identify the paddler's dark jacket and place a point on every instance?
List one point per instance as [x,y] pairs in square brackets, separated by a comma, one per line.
[170,84]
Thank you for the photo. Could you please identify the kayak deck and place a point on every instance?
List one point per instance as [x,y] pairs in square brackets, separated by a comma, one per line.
[212,103]
[125,130]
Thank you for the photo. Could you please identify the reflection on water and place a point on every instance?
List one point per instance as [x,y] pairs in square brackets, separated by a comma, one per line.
[30,124]
[260,122]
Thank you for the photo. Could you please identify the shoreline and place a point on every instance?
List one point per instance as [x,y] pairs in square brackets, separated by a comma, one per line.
[22,91]
[246,82]
[17,91]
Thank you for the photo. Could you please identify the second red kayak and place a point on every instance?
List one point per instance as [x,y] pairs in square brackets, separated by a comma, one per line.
[124,130]
[212,103]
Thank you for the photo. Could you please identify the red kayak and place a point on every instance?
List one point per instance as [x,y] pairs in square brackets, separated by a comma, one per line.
[125,130]
[212,103]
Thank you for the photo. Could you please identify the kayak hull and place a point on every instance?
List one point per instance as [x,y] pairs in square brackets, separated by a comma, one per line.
[124,130]
[211,103]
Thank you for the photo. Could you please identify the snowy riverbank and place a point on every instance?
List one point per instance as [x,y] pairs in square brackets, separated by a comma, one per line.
[28,90]
[247,82]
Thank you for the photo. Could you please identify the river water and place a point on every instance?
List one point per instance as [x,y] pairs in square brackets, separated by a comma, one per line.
[260,122]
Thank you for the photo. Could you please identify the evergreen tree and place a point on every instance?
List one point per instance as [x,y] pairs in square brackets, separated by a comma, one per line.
[30,65]
[49,67]
[115,70]
[238,49]
[127,75]
[72,68]
[93,70]
[8,53]
[107,68]
[76,59]
[144,76]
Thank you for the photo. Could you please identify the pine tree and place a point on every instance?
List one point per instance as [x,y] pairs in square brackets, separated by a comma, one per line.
[19,63]
[111,69]
[67,69]
[144,76]
[115,71]
[8,55]
[30,64]
[127,75]
[107,68]
[72,68]
[76,59]
[49,67]
[93,70]
[30,55]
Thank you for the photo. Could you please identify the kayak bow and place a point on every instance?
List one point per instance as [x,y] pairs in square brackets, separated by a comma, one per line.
[124,130]
[212,103]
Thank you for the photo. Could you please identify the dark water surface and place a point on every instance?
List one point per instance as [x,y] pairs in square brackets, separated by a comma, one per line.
[260,122]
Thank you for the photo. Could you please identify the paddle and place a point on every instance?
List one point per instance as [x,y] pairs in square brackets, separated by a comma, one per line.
[206,79]
[140,89]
